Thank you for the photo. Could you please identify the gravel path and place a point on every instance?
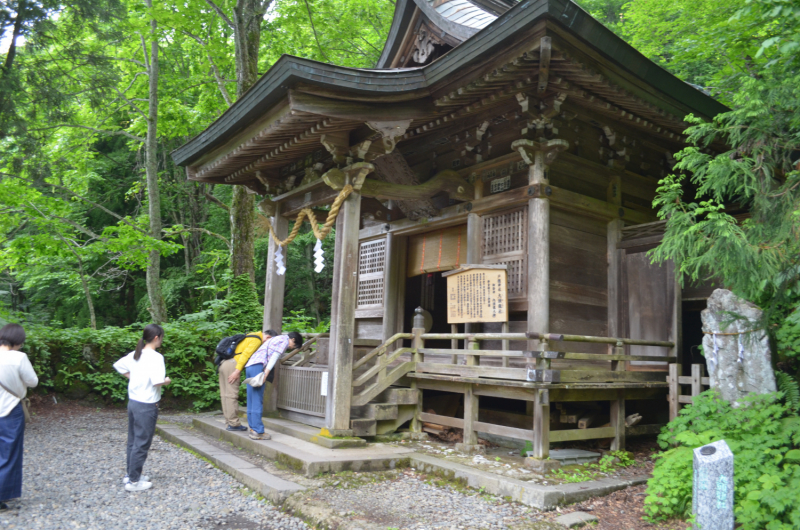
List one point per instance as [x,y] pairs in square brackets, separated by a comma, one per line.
[72,479]
[410,500]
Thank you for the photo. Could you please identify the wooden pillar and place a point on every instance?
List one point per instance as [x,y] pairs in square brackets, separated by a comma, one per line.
[541,424]
[474,256]
[538,251]
[274,289]
[340,378]
[613,236]
[618,421]
[275,284]
[697,380]
[674,391]
[394,285]
[417,343]
[471,407]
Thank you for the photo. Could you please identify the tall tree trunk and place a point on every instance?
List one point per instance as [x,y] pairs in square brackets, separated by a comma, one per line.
[158,308]
[243,238]
[247,18]
[87,293]
[12,47]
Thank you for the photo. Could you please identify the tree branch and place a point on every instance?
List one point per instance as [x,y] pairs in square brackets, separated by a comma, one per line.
[50,184]
[109,133]
[313,27]
[217,75]
[203,231]
[221,14]
[217,201]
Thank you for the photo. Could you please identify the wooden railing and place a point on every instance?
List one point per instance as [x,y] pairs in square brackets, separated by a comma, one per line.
[308,350]
[384,368]
[376,377]
[697,381]
[541,360]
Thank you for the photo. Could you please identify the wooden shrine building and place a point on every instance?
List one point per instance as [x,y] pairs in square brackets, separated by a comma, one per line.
[524,136]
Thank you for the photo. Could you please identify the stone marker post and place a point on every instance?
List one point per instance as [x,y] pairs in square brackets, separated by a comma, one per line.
[712,499]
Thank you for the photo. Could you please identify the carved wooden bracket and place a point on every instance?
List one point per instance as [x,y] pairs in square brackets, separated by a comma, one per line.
[267,207]
[354,174]
[448,181]
[337,144]
[550,148]
[541,112]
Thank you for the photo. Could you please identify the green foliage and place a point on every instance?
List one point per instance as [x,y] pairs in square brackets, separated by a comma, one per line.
[790,389]
[300,322]
[63,356]
[788,336]
[607,464]
[756,258]
[764,436]
[242,309]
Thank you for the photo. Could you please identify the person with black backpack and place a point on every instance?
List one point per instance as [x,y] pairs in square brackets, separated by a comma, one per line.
[232,354]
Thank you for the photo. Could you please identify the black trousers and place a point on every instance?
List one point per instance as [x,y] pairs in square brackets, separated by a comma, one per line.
[142,419]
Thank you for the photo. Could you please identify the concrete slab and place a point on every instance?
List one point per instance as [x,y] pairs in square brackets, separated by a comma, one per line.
[573,456]
[575,519]
[536,495]
[306,457]
[273,488]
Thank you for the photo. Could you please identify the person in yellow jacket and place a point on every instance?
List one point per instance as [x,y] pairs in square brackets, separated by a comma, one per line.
[229,377]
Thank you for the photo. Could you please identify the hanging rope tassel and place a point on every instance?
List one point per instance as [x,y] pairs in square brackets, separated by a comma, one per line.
[320,233]
[308,213]
[280,269]
[319,258]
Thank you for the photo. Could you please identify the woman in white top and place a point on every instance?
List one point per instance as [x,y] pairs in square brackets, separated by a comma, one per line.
[147,373]
[16,376]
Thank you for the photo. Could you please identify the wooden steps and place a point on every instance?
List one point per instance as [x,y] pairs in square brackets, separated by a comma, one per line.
[387,412]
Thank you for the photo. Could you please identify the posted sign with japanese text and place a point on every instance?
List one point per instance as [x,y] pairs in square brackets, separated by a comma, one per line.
[477,295]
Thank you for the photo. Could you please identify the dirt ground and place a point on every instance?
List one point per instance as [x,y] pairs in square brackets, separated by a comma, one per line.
[622,510]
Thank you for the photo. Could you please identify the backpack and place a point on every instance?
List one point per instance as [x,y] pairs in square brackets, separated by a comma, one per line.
[226,348]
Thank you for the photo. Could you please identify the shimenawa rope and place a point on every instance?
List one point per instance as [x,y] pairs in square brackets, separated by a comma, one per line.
[319,233]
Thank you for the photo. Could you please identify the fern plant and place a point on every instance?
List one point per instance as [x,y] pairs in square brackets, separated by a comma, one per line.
[788,386]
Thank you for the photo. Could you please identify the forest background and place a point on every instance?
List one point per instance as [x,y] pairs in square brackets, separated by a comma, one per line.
[102,233]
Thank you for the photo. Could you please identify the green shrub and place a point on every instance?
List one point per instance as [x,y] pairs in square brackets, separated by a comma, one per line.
[71,357]
[764,435]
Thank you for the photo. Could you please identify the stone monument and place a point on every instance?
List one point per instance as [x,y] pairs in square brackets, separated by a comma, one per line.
[712,491]
[736,347]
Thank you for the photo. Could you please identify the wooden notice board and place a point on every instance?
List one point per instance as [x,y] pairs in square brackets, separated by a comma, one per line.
[477,293]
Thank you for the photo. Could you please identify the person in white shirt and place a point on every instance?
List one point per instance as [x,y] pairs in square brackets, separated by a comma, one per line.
[145,369]
[16,376]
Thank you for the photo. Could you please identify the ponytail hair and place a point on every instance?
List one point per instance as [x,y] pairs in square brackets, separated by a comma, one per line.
[151,331]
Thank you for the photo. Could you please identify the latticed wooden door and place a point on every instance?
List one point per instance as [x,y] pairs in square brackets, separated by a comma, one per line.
[371,267]
[505,241]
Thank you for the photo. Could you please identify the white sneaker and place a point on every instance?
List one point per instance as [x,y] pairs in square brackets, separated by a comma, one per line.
[138,486]
[143,477]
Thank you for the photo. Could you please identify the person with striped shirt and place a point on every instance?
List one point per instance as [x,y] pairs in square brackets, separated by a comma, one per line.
[263,360]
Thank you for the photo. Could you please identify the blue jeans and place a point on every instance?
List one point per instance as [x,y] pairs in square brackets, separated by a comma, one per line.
[255,400]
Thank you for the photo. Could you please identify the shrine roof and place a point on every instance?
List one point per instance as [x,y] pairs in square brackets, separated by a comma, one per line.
[589,63]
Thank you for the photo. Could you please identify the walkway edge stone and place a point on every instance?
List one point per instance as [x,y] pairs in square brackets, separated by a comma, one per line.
[536,495]
[271,487]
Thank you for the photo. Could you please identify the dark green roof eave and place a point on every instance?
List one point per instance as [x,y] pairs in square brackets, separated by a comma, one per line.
[288,70]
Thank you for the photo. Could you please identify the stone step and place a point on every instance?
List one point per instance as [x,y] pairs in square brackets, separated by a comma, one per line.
[310,434]
[273,488]
[306,457]
[404,414]
[375,411]
[364,427]
[397,396]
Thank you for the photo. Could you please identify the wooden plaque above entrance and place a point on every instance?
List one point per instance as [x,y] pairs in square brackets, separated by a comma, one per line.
[477,293]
